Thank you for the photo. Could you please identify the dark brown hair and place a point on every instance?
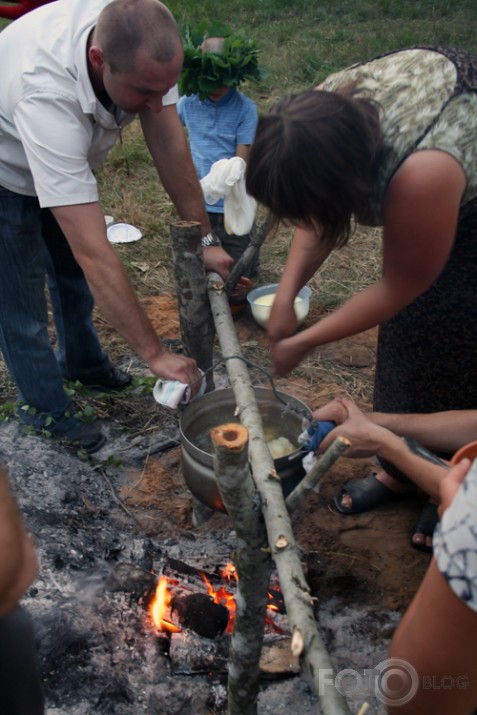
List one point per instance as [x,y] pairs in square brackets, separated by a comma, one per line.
[126,26]
[312,160]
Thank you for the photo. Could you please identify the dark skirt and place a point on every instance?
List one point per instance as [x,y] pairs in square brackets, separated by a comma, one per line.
[427,353]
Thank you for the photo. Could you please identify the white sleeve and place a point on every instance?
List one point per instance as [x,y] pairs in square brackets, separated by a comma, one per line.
[172,97]
[59,143]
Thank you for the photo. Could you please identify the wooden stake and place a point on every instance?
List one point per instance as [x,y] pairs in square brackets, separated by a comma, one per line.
[253,562]
[197,327]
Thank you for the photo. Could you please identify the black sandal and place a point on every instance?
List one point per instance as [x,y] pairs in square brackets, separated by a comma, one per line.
[425,525]
[366,494]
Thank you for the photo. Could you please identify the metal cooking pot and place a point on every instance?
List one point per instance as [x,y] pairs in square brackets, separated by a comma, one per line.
[215,408]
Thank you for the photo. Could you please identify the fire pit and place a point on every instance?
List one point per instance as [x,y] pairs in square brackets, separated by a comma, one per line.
[282,417]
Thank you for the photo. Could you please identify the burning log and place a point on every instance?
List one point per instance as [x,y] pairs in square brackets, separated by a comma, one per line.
[230,443]
[197,327]
[199,612]
[306,642]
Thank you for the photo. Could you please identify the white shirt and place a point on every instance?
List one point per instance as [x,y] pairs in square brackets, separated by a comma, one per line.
[53,129]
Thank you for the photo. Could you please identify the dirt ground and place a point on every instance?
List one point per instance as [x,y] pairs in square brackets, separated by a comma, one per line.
[105,527]
[365,559]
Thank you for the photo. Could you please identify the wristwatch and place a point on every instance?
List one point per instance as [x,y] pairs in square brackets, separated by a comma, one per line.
[210,240]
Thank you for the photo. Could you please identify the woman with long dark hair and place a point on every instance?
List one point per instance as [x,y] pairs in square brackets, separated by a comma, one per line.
[392,143]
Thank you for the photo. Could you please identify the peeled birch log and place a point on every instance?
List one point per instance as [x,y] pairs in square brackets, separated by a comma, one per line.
[306,642]
[253,562]
[197,327]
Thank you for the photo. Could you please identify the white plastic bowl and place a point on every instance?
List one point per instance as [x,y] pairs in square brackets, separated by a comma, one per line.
[261,300]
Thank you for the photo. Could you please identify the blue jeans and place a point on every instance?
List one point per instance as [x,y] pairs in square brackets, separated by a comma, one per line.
[33,248]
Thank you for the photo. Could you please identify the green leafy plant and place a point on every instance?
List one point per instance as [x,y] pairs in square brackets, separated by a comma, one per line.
[204,72]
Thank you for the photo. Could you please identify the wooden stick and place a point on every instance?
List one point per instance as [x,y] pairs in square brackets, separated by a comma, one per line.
[306,642]
[321,466]
[197,327]
[258,235]
[253,561]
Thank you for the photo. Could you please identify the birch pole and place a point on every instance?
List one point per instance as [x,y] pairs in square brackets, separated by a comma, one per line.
[253,561]
[306,641]
[197,326]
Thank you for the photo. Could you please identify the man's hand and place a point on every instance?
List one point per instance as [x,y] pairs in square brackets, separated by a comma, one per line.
[177,367]
[218,260]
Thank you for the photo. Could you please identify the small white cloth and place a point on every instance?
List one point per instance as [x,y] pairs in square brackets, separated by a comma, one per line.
[226,180]
[174,394]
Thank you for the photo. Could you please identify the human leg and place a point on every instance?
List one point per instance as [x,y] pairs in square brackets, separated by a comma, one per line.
[24,339]
[20,682]
[23,311]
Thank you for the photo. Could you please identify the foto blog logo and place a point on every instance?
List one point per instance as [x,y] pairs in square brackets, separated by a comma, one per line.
[392,681]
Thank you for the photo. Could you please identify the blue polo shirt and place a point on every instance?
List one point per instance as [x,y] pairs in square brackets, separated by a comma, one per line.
[215,129]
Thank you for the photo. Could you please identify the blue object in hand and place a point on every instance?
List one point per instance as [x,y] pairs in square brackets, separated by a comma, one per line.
[318,432]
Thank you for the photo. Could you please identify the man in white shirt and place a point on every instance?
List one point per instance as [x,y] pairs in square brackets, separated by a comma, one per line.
[73,74]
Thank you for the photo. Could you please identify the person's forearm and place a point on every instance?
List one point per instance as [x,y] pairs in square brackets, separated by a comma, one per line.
[305,256]
[423,473]
[439,431]
[367,309]
[108,280]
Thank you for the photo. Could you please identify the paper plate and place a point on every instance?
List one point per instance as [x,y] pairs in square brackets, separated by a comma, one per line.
[123,233]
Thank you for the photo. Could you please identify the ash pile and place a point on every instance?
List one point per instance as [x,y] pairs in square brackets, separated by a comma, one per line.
[99,650]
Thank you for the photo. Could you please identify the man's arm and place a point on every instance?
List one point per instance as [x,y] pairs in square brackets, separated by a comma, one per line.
[84,227]
[167,144]
[18,563]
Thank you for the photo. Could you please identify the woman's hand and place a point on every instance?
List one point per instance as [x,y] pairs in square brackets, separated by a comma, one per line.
[285,355]
[366,437]
[282,322]
[334,411]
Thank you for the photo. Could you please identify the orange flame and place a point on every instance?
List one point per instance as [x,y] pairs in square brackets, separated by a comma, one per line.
[159,605]
[161,601]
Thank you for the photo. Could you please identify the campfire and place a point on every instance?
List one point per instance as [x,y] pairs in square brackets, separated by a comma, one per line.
[200,606]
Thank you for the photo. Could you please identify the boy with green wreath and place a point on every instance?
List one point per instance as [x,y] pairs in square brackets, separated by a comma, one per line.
[220,120]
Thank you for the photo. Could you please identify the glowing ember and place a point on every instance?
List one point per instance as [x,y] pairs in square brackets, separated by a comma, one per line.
[159,605]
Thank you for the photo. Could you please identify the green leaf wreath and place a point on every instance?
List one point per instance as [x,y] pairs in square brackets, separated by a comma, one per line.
[205,72]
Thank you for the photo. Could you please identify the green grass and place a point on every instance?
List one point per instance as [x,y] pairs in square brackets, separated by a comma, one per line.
[302,42]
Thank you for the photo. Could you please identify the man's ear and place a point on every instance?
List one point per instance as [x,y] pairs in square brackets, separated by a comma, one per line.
[96,57]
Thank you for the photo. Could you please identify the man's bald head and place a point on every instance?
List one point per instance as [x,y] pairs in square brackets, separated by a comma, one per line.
[126,27]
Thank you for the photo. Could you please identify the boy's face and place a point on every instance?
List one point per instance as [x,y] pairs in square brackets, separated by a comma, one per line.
[218,94]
